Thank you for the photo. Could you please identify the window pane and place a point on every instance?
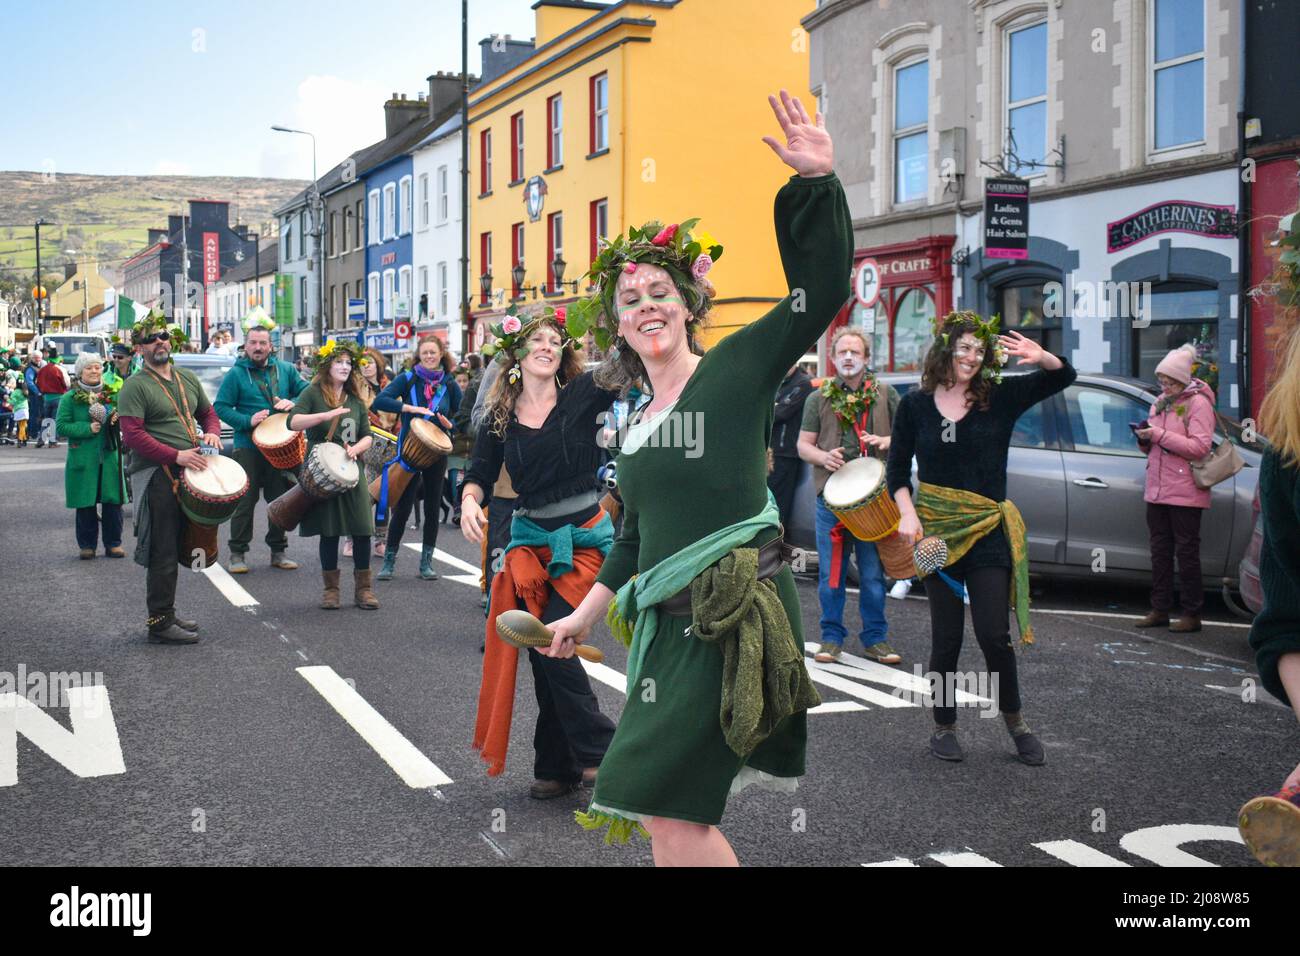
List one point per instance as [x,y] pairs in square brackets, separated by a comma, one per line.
[1156,341]
[1180,28]
[1028,432]
[1099,420]
[1028,65]
[911,95]
[1180,104]
[909,167]
[1029,129]
[912,330]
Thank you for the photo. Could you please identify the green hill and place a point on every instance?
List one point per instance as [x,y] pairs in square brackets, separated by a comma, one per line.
[106,218]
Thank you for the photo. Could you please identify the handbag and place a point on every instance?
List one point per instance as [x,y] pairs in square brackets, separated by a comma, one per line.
[1219,465]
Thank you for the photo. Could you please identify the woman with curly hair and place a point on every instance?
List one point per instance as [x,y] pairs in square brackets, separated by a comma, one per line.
[717,686]
[539,422]
[958,427]
[330,409]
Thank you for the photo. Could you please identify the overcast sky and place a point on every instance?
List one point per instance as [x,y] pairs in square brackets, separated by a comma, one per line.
[193,87]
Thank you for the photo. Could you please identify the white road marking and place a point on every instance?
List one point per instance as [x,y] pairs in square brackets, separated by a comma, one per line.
[863,669]
[819,674]
[472,575]
[302,655]
[962,859]
[415,769]
[1126,617]
[43,466]
[606,675]
[1163,845]
[1078,854]
[501,854]
[837,707]
[898,861]
[228,586]
[90,749]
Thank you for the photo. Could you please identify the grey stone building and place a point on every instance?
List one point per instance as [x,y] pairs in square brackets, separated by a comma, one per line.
[1122,117]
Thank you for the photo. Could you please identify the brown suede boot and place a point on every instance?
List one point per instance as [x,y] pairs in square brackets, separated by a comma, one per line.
[365,596]
[1186,624]
[330,600]
[1153,619]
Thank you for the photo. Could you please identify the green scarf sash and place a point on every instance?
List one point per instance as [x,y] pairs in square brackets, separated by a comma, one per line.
[526,533]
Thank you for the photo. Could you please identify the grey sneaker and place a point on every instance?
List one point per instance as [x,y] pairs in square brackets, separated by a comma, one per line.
[828,653]
[882,653]
[944,744]
[236,565]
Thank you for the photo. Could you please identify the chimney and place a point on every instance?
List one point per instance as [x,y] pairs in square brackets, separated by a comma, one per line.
[157,235]
[444,91]
[400,111]
[502,54]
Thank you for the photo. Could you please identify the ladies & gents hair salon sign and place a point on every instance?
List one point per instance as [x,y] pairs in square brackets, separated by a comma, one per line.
[1174,216]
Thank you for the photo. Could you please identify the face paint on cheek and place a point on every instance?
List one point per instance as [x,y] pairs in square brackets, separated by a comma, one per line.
[849,365]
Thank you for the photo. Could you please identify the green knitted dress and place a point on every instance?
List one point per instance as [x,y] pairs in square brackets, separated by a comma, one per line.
[703,468]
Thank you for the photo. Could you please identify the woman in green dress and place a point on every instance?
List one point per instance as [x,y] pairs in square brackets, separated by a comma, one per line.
[697,568]
[93,475]
[330,409]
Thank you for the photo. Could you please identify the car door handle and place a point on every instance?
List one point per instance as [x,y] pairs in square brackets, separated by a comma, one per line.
[1090,483]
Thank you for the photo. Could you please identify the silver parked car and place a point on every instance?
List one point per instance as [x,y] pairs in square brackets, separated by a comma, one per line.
[1076,474]
[210,369]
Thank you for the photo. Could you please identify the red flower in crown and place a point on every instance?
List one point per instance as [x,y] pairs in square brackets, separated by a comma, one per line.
[560,313]
[665,237]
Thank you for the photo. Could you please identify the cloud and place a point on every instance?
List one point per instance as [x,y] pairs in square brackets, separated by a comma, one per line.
[171,167]
[343,115]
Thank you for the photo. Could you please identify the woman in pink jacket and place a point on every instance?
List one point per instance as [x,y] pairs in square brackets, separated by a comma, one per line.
[1180,430]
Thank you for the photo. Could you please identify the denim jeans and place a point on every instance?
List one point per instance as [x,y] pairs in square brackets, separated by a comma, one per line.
[89,527]
[871,597]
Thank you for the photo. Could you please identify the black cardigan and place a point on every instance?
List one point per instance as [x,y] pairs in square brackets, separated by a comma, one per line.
[553,462]
[977,460]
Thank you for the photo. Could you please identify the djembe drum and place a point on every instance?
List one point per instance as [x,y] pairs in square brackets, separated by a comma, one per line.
[208,498]
[327,473]
[424,444]
[283,448]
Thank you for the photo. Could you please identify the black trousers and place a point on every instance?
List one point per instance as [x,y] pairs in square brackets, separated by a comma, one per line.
[166,525]
[329,552]
[500,513]
[571,734]
[89,524]
[783,480]
[990,594]
[268,481]
[431,495]
[1176,529]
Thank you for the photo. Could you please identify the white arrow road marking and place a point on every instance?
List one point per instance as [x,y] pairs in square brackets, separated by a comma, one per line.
[819,673]
[1163,845]
[837,707]
[90,749]
[228,586]
[877,673]
[415,769]
[1078,854]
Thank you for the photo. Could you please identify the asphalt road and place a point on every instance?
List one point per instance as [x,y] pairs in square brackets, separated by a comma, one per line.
[231,752]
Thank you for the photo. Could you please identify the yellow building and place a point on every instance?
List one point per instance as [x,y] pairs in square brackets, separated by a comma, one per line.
[80,292]
[624,113]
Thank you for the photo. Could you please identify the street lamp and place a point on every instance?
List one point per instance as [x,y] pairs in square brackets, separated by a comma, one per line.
[485,285]
[318,234]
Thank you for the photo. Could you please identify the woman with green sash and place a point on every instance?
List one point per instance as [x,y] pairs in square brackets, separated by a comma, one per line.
[958,426]
[717,687]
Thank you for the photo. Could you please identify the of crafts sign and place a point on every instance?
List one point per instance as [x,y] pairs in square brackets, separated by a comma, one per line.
[1177,215]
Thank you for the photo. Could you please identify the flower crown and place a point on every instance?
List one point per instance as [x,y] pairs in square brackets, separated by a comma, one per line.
[333,347]
[686,258]
[513,331]
[258,319]
[156,321]
[986,330]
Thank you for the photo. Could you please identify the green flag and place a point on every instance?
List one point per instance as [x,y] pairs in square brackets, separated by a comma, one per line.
[283,299]
[129,312]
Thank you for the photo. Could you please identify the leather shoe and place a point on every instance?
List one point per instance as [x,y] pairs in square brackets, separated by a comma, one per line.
[87,554]
[589,778]
[115,553]
[1153,619]
[191,626]
[1030,750]
[550,789]
[173,634]
[1186,624]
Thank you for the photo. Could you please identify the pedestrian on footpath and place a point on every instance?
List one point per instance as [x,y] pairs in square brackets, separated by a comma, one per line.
[1178,431]
[330,410]
[717,687]
[259,385]
[1270,825]
[158,410]
[18,399]
[849,417]
[53,383]
[93,481]
[35,403]
[958,426]
[786,416]
[539,415]
[427,390]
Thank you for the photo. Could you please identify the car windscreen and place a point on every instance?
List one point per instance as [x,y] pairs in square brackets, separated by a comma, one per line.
[210,376]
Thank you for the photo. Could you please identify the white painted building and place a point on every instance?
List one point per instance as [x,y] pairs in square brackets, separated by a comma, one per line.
[297,250]
[436,249]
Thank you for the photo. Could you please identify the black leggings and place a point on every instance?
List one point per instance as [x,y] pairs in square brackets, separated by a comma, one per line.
[329,552]
[990,591]
[432,481]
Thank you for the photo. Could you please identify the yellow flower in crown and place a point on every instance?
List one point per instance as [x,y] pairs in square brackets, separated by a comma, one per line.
[327,349]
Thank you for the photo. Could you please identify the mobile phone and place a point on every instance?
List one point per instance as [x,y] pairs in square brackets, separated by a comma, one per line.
[1142,424]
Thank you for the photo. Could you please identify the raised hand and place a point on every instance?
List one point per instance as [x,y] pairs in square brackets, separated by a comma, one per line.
[808,149]
[1026,351]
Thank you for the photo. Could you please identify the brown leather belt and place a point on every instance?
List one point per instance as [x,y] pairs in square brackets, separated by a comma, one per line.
[771,558]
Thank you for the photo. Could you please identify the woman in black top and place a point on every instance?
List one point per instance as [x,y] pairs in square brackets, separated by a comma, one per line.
[427,389]
[958,426]
[541,421]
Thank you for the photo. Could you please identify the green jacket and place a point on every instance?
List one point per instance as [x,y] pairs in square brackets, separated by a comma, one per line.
[241,395]
[94,469]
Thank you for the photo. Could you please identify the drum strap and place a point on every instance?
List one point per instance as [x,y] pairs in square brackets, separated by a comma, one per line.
[260,381]
[186,417]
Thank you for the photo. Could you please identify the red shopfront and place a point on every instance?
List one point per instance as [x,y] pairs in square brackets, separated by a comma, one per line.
[915,286]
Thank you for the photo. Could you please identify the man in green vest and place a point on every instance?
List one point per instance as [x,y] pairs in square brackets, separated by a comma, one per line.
[259,385]
[847,418]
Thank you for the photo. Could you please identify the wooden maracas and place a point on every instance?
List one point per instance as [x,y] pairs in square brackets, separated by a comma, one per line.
[521,629]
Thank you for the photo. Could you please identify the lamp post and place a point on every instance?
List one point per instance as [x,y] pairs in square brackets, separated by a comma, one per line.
[37,289]
[318,236]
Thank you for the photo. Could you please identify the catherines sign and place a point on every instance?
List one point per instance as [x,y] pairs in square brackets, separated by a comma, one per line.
[1177,215]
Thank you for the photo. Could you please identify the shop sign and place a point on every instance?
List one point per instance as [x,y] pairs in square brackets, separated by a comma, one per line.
[1177,215]
[1006,218]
